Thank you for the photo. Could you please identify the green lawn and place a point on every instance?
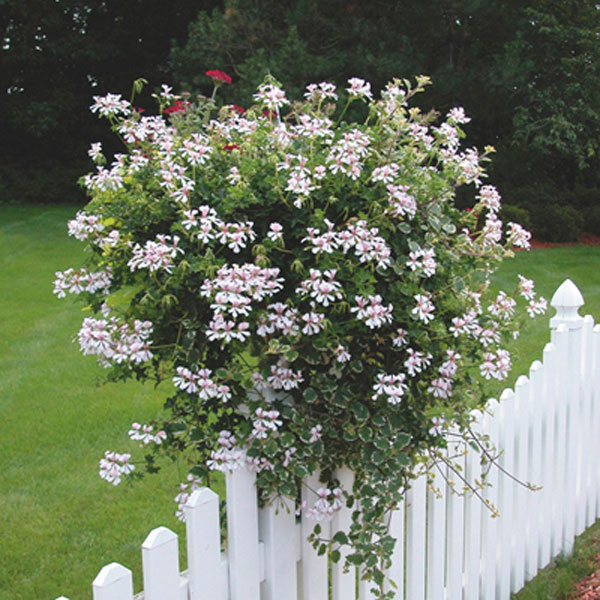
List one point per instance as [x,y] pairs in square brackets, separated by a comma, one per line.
[60,522]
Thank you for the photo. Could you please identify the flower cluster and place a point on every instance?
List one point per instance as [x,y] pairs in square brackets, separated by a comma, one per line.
[114,466]
[77,282]
[145,434]
[115,342]
[307,284]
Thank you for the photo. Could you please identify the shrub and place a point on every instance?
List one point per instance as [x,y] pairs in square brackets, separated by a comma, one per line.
[517,214]
[557,223]
[308,285]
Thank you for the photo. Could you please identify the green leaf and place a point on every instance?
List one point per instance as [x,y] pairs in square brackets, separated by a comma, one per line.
[335,556]
[379,420]
[449,228]
[122,297]
[357,366]
[403,459]
[340,398]
[382,443]
[349,434]
[310,395]
[291,356]
[340,537]
[401,440]
[377,457]
[365,434]
[404,228]
[360,411]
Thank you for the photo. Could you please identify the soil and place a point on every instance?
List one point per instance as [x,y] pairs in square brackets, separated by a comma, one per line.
[589,587]
[585,239]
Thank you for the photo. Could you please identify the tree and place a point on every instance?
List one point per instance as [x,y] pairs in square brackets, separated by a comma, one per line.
[527,71]
[55,57]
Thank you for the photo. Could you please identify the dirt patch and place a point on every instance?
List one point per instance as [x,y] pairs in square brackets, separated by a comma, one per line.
[585,239]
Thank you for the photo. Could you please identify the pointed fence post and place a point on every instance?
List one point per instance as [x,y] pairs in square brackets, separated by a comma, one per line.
[204,545]
[160,560]
[567,301]
[113,582]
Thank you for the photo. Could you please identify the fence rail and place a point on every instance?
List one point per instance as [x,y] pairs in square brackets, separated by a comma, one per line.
[449,547]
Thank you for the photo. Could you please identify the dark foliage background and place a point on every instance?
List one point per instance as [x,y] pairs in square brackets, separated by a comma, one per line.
[56,55]
[526,71]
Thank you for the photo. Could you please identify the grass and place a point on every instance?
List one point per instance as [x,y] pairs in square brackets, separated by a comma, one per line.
[60,522]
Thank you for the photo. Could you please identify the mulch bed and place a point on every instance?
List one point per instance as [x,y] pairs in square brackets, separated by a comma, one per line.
[589,587]
[585,239]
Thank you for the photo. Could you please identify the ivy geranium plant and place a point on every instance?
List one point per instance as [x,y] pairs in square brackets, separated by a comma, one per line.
[307,284]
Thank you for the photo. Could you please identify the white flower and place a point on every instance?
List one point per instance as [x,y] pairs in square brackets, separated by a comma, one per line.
[359,88]
[424,308]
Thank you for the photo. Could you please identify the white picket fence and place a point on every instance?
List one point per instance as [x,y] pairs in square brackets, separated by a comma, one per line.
[448,547]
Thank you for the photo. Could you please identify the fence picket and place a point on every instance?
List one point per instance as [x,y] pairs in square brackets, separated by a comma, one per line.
[595,499]
[506,494]
[415,539]
[113,582]
[472,565]
[574,524]
[587,438]
[277,527]
[489,525]
[242,528]
[396,572]
[455,526]
[205,570]
[436,534]
[548,408]
[315,576]
[521,494]
[534,471]
[559,338]
[160,560]
[343,585]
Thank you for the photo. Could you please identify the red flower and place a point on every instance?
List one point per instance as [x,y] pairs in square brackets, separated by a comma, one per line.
[218,76]
[238,109]
[230,147]
[177,107]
